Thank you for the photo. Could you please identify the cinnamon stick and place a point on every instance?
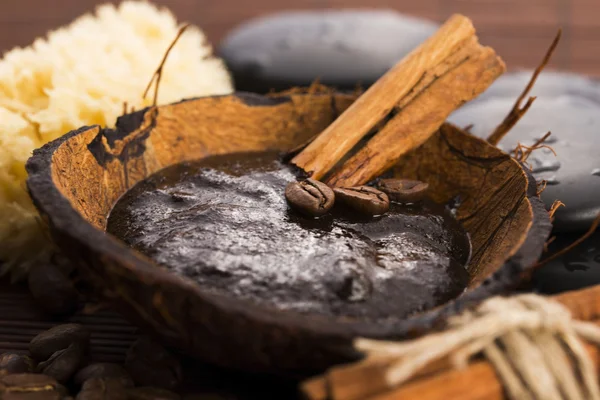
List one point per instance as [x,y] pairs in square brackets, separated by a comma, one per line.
[365,380]
[420,119]
[422,78]
[477,382]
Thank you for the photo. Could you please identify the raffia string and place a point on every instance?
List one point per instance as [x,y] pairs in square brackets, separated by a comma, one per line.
[531,341]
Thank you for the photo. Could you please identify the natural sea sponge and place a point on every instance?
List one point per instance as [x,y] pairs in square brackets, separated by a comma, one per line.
[81,75]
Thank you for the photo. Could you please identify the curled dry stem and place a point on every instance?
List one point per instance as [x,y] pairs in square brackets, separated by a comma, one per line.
[548,243]
[518,110]
[541,186]
[570,247]
[158,74]
[521,153]
[555,206]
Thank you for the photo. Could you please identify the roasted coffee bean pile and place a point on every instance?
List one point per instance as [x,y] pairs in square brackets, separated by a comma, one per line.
[314,199]
[57,368]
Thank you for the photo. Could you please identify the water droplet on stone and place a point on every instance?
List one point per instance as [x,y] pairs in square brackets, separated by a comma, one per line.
[596,172]
[545,165]
[552,181]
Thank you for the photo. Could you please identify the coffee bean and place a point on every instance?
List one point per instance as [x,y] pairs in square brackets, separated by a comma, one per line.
[52,290]
[103,389]
[29,387]
[62,263]
[64,392]
[150,393]
[103,370]
[364,199]
[310,197]
[15,364]
[63,363]
[28,381]
[150,364]
[403,190]
[44,345]
[46,395]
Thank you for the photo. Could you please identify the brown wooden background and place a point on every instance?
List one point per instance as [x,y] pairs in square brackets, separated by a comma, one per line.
[520,30]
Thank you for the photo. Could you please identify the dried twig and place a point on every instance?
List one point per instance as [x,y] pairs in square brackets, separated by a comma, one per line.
[570,247]
[124,107]
[517,111]
[548,243]
[555,206]
[541,186]
[158,74]
[521,153]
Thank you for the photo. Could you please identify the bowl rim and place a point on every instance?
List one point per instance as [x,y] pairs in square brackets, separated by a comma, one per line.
[64,219]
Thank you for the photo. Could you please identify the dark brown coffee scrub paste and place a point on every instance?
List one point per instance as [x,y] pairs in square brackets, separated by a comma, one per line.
[224,222]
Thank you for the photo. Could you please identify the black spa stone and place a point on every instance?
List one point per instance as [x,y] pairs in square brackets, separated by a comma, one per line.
[577,269]
[340,48]
[224,223]
[568,105]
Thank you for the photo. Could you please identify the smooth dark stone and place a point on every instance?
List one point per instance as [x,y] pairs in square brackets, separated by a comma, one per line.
[340,48]
[568,105]
[225,223]
[577,269]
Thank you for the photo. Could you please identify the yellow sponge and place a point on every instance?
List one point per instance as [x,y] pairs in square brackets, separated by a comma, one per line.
[81,75]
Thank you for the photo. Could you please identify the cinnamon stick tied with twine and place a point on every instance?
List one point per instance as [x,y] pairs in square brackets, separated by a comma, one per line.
[369,379]
[410,102]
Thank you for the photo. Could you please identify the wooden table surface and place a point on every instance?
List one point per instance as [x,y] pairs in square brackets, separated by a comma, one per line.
[520,30]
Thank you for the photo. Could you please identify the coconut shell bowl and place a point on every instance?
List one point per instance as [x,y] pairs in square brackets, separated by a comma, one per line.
[76,180]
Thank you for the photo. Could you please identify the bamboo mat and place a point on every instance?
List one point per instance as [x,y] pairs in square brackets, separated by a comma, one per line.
[21,320]
[111,336]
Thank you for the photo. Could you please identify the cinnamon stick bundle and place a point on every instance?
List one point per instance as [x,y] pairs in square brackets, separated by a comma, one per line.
[438,380]
[409,103]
